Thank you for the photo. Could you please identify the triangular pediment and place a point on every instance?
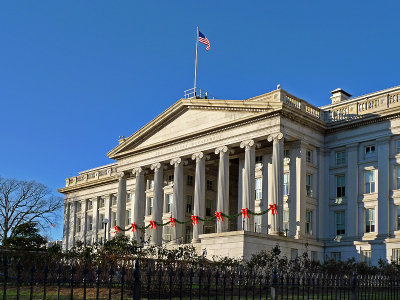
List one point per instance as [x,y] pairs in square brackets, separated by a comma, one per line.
[190,117]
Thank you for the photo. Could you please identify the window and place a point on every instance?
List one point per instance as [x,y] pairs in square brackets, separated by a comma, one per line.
[188,234]
[286,153]
[370,182]
[189,202]
[171,178]
[309,156]
[370,220]
[128,217]
[101,224]
[286,184]
[90,223]
[314,255]
[101,202]
[190,180]
[128,197]
[336,256]
[149,209]
[166,233]
[89,205]
[369,151]
[294,253]
[78,225]
[340,223]
[170,201]
[396,255]
[114,219]
[309,222]
[340,157]
[398,217]
[209,185]
[398,146]
[365,256]
[340,186]
[78,207]
[113,200]
[257,223]
[398,177]
[285,220]
[258,186]
[259,159]
[152,183]
[308,185]
[208,208]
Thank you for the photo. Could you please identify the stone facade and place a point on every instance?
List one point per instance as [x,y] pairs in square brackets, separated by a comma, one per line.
[333,172]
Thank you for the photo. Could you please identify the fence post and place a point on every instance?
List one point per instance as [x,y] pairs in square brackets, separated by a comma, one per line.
[137,285]
[274,287]
[354,284]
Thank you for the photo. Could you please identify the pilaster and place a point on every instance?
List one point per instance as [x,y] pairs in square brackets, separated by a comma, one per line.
[383,187]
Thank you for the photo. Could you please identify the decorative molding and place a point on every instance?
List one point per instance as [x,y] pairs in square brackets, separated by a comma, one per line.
[137,171]
[247,144]
[155,166]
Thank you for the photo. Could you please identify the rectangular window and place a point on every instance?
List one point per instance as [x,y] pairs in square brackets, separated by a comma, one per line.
[189,204]
[89,205]
[101,224]
[370,220]
[309,185]
[340,186]
[369,151]
[189,180]
[396,255]
[166,234]
[309,156]
[113,200]
[128,197]
[309,222]
[102,202]
[209,185]
[340,223]
[294,253]
[149,206]
[114,219]
[259,159]
[257,223]
[170,201]
[286,153]
[208,208]
[171,178]
[369,181]
[398,146]
[365,256]
[188,234]
[286,184]
[78,207]
[340,158]
[258,187]
[90,223]
[336,256]
[78,225]
[285,220]
[128,218]
[398,217]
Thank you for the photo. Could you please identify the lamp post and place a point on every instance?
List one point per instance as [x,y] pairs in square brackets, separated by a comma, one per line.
[105,221]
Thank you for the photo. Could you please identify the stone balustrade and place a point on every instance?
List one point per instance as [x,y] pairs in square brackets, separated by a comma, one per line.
[90,175]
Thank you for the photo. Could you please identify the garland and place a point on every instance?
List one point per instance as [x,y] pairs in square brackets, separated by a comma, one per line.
[218,216]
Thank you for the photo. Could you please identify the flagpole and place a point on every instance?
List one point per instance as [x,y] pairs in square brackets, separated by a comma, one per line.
[195,68]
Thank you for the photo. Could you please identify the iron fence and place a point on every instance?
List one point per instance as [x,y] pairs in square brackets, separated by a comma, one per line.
[159,281]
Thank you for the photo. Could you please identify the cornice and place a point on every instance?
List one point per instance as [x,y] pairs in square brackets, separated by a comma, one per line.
[86,185]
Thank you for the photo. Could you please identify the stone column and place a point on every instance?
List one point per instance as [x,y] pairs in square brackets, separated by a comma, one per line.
[300,189]
[178,205]
[383,187]
[199,194]
[84,223]
[139,201]
[249,182]
[73,223]
[95,229]
[107,214]
[352,212]
[121,202]
[277,181]
[223,187]
[322,201]
[240,194]
[66,226]
[264,201]
[158,201]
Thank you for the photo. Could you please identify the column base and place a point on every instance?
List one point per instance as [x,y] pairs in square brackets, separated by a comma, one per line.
[196,241]
[279,233]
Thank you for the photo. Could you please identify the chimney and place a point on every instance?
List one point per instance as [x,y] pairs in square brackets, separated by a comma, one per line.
[339,95]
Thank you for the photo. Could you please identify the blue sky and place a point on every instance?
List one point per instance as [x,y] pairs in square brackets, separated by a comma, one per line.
[75,75]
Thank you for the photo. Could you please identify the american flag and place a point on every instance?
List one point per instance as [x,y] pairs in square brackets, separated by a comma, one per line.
[204,40]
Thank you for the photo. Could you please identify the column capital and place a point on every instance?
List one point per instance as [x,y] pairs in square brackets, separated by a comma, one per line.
[121,175]
[197,156]
[155,166]
[247,144]
[137,171]
[175,161]
[275,137]
[221,149]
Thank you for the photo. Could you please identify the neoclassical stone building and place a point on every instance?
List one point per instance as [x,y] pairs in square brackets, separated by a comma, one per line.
[332,171]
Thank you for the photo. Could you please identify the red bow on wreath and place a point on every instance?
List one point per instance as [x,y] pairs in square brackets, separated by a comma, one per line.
[195,220]
[218,214]
[116,228]
[172,222]
[153,225]
[133,226]
[245,213]
[272,207]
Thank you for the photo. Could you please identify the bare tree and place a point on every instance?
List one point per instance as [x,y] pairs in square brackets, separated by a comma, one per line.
[25,201]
